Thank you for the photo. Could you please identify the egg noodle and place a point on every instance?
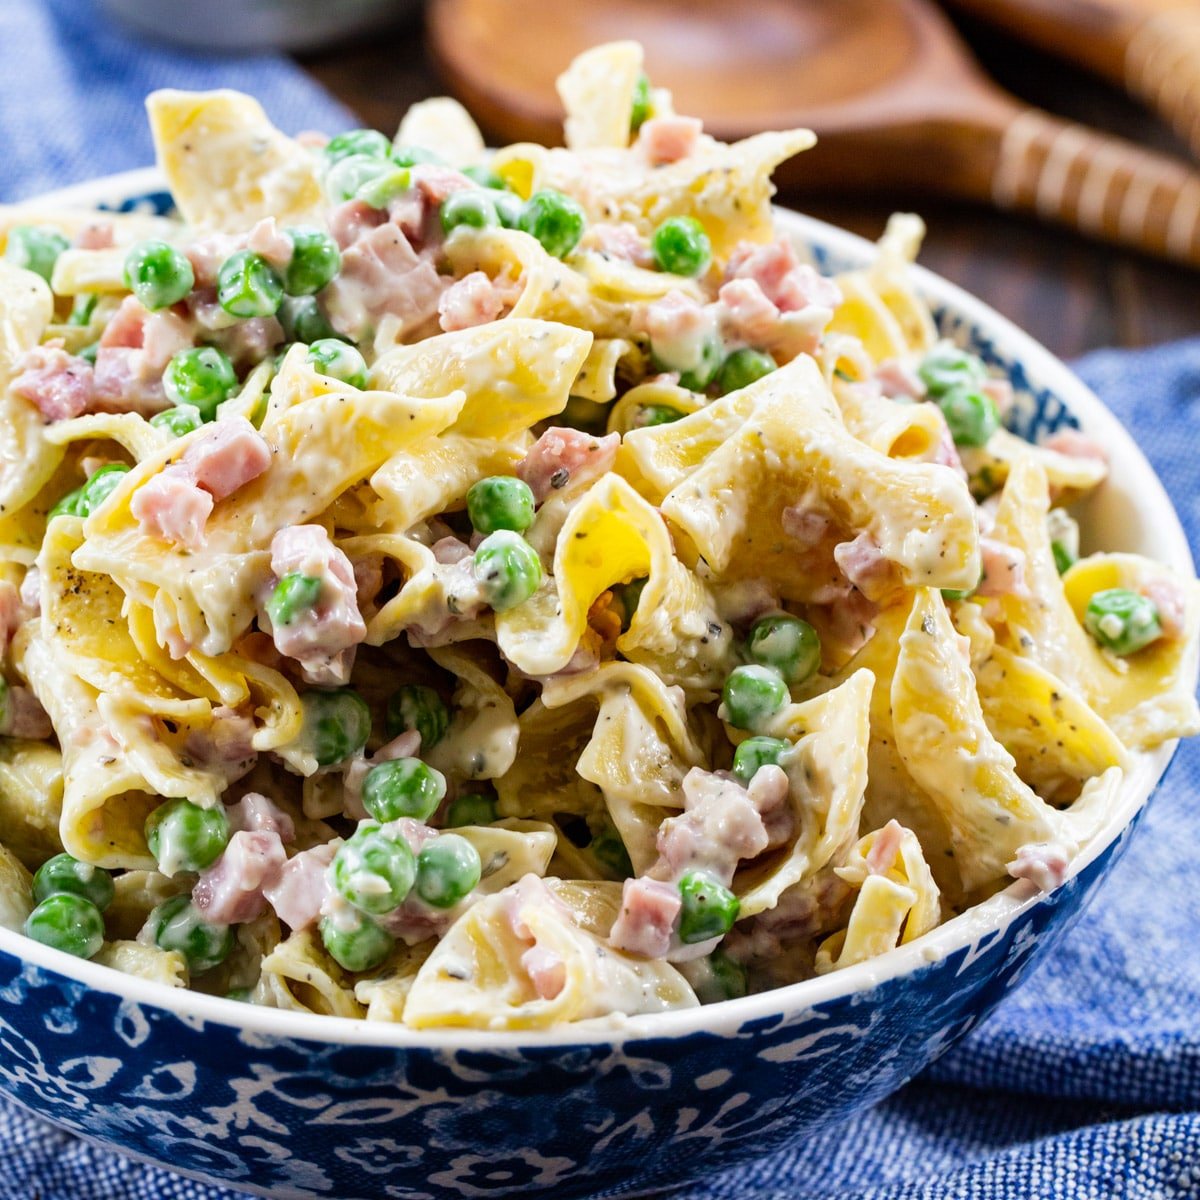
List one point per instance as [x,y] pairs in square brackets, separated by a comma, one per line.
[503,590]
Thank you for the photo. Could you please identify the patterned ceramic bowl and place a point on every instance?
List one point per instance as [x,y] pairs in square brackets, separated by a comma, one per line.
[299,1105]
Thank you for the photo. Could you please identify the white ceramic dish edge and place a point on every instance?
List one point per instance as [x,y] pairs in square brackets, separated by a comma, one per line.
[1162,538]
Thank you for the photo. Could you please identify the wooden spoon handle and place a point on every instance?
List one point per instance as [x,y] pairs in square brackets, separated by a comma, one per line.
[1162,68]
[1102,186]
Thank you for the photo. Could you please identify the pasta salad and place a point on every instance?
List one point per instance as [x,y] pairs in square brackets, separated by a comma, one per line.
[511,589]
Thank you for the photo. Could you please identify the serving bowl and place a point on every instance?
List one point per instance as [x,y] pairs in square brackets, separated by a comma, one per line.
[290,1104]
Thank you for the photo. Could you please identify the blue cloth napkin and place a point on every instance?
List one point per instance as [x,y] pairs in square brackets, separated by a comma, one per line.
[73,83]
[1084,1084]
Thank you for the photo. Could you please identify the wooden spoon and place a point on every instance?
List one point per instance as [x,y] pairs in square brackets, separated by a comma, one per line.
[1149,47]
[894,95]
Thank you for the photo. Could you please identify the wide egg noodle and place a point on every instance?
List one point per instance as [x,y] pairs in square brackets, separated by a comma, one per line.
[597,93]
[16,891]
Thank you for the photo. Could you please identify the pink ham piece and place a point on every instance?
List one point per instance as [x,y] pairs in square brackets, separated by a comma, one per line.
[226,746]
[896,378]
[885,848]
[1044,864]
[649,909]
[665,140]
[769,790]
[321,639]
[1169,599]
[678,326]
[863,564]
[1003,569]
[563,457]
[172,507]
[298,892]
[1075,445]
[788,283]
[207,254]
[546,970]
[746,314]
[267,240]
[231,890]
[352,220]
[60,385]
[31,594]
[259,814]
[95,235]
[805,524]
[473,300]
[620,241]
[133,352]
[382,275]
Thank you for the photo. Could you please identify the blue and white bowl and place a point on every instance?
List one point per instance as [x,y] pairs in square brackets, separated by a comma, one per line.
[296,1105]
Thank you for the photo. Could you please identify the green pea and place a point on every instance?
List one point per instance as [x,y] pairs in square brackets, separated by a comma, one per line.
[970,414]
[347,177]
[35,249]
[758,752]
[500,502]
[63,873]
[248,286]
[339,360]
[241,995]
[1122,621]
[68,505]
[694,374]
[304,320]
[336,724]
[742,368]
[315,260]
[358,141]
[99,487]
[182,836]
[67,922]
[471,808]
[176,924]
[403,787]
[373,871]
[158,274]
[294,595]
[469,207]
[411,156]
[657,414]
[485,177]
[946,366]
[202,377]
[955,595]
[380,190]
[82,309]
[608,849]
[751,695]
[183,418]
[89,352]
[555,220]
[1064,560]
[508,569]
[709,908]
[789,645]
[724,979]
[628,596]
[509,207]
[641,102]
[415,706]
[681,247]
[355,942]
[448,870]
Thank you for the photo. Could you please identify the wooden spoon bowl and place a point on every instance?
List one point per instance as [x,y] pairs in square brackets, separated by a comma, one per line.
[895,97]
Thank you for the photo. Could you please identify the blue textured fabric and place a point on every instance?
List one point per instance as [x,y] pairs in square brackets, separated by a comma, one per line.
[73,83]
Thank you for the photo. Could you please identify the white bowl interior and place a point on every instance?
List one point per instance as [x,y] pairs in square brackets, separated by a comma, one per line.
[1132,512]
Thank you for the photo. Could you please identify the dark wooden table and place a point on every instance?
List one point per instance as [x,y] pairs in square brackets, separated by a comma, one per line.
[1070,294]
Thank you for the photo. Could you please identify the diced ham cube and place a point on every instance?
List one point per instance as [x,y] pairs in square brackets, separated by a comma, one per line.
[805,524]
[679,327]
[769,790]
[885,847]
[1003,569]
[172,507]
[450,550]
[546,970]
[248,342]
[31,594]
[207,254]
[864,565]
[1169,599]
[561,457]
[472,300]
[649,909]
[1075,445]
[258,813]
[664,140]
[298,892]
[267,240]
[619,240]
[226,746]
[95,235]
[529,890]
[133,352]
[320,639]
[227,456]
[350,221]
[1044,864]
[231,890]
[746,313]
[788,283]
[897,378]
[59,384]
[436,182]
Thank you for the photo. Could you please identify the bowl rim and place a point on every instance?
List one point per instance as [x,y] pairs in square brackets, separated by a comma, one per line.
[787,1003]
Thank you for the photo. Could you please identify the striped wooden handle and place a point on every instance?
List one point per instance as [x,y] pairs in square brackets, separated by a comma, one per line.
[1162,68]
[1101,186]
